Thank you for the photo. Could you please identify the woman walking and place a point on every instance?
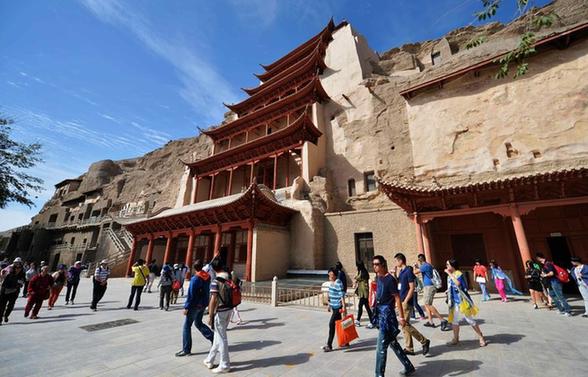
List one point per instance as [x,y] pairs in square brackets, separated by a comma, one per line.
[59,279]
[533,276]
[336,306]
[13,278]
[165,286]
[481,277]
[39,291]
[73,280]
[460,303]
[502,281]
[580,275]
[361,286]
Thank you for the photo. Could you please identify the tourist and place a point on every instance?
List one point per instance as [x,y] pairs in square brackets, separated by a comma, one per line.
[502,282]
[183,274]
[387,298]
[153,269]
[29,274]
[73,280]
[196,302]
[460,303]
[208,267]
[372,302]
[39,290]
[100,283]
[238,283]
[13,279]
[580,275]
[415,297]
[341,275]
[406,285]
[165,286]
[140,273]
[218,319]
[336,305]
[59,280]
[533,276]
[429,290]
[361,286]
[555,286]
[481,277]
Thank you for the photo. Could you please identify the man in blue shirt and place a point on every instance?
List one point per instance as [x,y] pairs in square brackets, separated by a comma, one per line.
[196,302]
[429,290]
[406,286]
[387,297]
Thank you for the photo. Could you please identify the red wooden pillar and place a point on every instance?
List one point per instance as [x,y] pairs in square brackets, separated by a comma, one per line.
[427,243]
[419,235]
[132,256]
[211,186]
[275,171]
[149,250]
[189,252]
[166,255]
[249,262]
[519,230]
[230,185]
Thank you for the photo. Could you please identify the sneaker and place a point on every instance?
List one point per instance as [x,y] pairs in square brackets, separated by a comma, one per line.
[67,303]
[208,364]
[426,347]
[370,326]
[409,353]
[72,302]
[219,370]
[357,324]
[567,314]
[585,315]
[407,372]
[182,353]
[535,306]
[326,348]
[6,319]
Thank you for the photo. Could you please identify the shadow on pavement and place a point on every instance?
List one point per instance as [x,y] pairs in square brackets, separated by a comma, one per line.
[362,345]
[289,360]
[253,345]
[455,367]
[507,339]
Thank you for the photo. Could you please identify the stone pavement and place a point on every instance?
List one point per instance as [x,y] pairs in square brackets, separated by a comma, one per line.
[283,341]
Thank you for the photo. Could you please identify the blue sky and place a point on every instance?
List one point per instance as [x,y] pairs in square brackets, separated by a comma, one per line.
[113,79]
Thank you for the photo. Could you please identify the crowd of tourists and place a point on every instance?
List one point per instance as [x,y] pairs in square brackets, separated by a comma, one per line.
[390,300]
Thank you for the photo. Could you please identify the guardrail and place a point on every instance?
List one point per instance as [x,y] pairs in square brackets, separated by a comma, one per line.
[251,291]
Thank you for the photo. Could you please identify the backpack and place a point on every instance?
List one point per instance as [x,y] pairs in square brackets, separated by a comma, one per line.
[436,279]
[561,274]
[228,293]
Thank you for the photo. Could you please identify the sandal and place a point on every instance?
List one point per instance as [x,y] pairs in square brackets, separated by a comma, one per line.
[453,342]
[483,343]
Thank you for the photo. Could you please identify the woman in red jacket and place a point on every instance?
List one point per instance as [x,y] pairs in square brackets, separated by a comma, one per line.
[39,289]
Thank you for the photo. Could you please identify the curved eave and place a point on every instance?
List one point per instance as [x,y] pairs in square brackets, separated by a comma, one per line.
[298,51]
[313,90]
[300,130]
[310,63]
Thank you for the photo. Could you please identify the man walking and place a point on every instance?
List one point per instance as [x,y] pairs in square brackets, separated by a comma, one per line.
[406,280]
[387,297]
[555,286]
[219,316]
[429,290]
[140,273]
[100,282]
[196,302]
[73,280]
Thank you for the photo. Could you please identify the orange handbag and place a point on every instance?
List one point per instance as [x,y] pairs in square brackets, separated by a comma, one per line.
[346,331]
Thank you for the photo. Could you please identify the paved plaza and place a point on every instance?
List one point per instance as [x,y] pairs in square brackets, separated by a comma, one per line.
[283,341]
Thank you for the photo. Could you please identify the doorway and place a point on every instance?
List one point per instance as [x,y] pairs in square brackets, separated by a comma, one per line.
[560,255]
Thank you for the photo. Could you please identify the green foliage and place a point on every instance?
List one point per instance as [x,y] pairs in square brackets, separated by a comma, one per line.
[526,44]
[15,185]
[475,42]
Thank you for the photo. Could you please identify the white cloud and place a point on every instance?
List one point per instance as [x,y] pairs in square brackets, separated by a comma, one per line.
[203,87]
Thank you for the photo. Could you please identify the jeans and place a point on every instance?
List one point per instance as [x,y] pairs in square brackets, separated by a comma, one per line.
[387,338]
[97,293]
[584,292]
[364,302]
[135,290]
[558,297]
[220,343]
[72,288]
[335,316]
[194,316]
[485,295]
[164,291]
[415,304]
[7,301]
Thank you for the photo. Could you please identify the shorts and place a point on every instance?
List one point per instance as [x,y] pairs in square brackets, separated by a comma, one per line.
[429,294]
[457,316]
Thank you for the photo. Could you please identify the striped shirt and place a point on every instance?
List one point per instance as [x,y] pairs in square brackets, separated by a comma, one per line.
[101,274]
[335,294]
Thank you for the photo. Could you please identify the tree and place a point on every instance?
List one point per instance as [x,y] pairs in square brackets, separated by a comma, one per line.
[16,185]
[518,56]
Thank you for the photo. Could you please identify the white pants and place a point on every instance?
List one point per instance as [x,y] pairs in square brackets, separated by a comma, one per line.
[220,344]
[584,293]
